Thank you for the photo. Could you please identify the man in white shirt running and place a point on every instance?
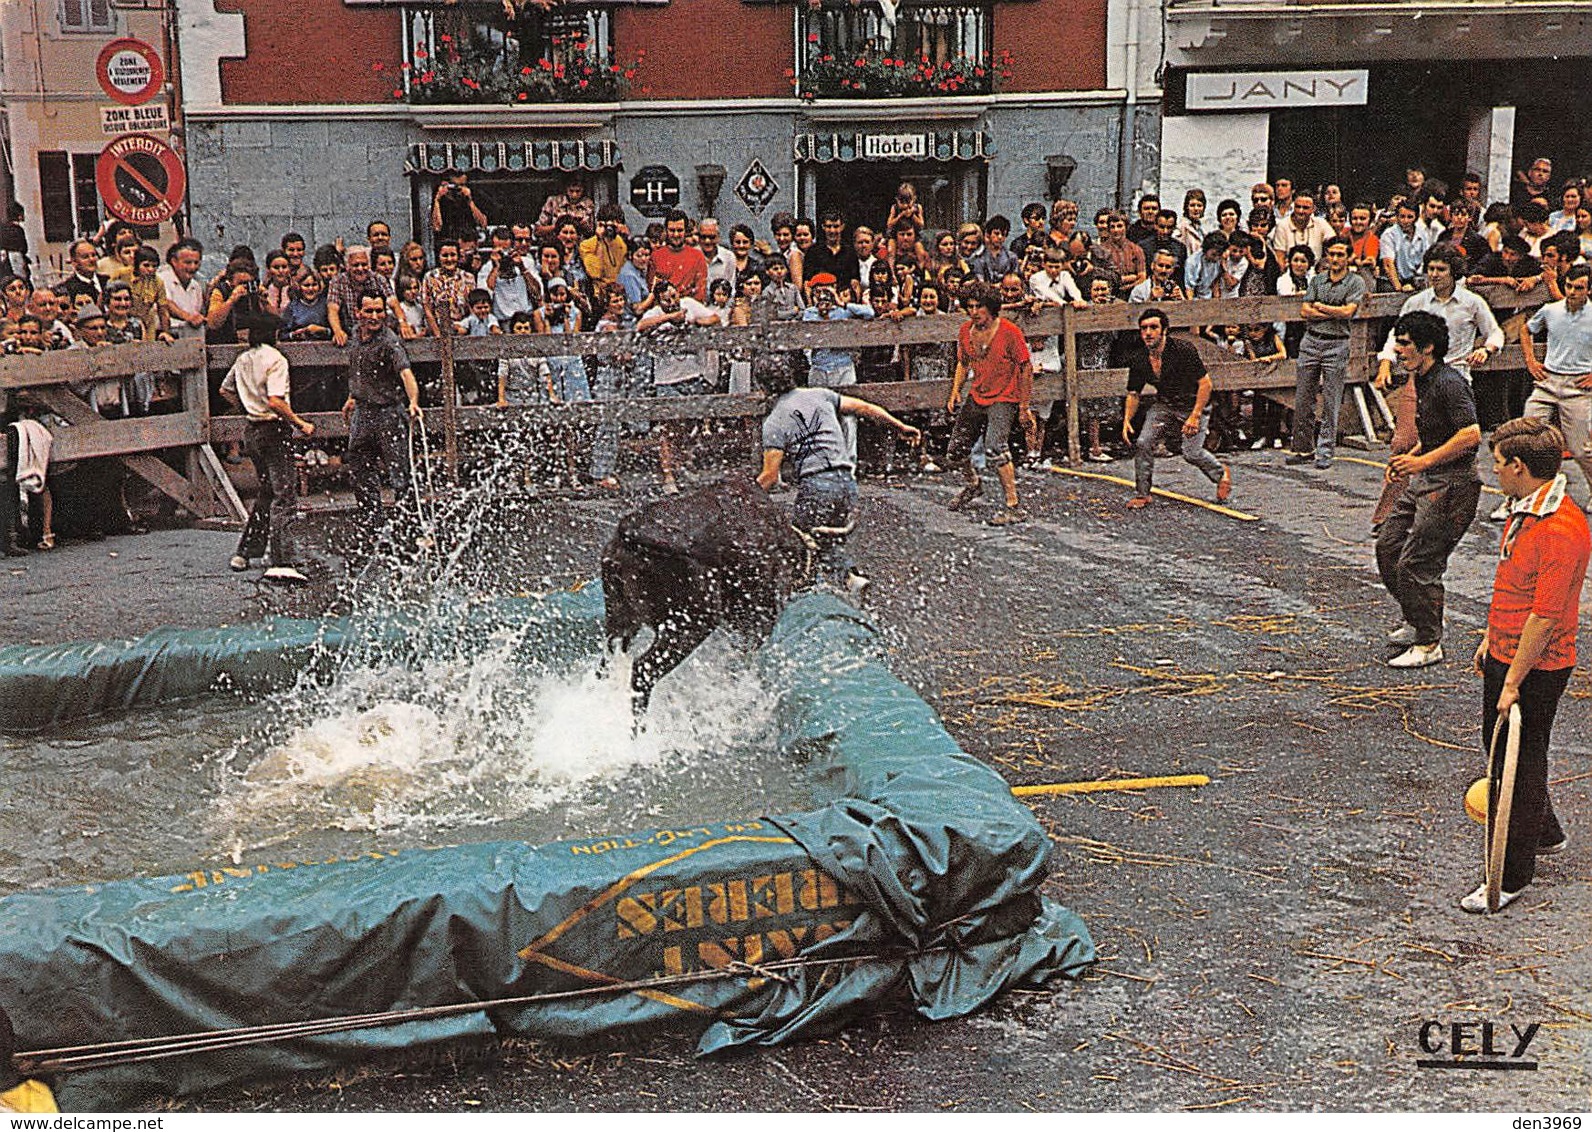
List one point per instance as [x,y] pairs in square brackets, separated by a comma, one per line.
[258,384]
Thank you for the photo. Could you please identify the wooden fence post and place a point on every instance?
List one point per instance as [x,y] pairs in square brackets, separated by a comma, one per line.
[1069,345]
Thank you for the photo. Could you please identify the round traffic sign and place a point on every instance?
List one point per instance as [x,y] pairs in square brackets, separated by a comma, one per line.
[140,179]
[130,71]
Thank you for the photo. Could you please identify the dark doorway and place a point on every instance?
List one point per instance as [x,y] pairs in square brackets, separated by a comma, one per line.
[949,192]
[508,198]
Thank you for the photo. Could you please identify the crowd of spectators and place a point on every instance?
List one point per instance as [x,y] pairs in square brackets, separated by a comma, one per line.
[574,266]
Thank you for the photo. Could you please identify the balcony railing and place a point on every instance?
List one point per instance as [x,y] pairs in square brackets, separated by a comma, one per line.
[854,51]
[472,53]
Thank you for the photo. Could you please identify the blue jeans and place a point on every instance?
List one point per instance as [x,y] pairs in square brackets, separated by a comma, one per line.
[1162,420]
[1322,367]
[827,500]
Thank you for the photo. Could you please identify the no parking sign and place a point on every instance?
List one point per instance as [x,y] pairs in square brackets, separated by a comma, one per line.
[140,179]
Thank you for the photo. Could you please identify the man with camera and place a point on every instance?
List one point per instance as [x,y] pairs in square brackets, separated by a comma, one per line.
[453,209]
[236,294]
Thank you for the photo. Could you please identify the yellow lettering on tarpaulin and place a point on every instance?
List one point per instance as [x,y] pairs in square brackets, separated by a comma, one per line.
[635,915]
[820,890]
[681,908]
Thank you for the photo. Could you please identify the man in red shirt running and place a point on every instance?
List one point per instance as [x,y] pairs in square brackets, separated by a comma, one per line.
[995,353]
[1528,652]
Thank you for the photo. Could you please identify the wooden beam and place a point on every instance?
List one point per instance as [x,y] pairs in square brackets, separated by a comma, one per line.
[88,439]
[58,367]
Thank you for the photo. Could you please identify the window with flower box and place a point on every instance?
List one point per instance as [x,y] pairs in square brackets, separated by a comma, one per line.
[915,47]
[473,52]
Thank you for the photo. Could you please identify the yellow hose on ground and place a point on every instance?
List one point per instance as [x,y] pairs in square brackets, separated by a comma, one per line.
[1113,784]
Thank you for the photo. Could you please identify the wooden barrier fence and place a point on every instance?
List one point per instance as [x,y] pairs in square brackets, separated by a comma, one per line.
[205,490]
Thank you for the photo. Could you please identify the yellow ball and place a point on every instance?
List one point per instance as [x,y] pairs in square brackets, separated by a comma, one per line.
[1476,801]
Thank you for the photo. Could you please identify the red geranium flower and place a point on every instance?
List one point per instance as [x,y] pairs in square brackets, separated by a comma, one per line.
[445,38]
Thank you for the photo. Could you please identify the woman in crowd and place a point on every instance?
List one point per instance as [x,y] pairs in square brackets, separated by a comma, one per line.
[1191,229]
[802,235]
[117,267]
[305,319]
[1583,229]
[278,291]
[412,260]
[747,261]
[1228,215]
[15,291]
[945,257]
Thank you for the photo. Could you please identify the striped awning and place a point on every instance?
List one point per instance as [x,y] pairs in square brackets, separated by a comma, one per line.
[568,155]
[882,145]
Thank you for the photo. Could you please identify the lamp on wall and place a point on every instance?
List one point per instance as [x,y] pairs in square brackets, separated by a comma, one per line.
[1059,168]
[710,179]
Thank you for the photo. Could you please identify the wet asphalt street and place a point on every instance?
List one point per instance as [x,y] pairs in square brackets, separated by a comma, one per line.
[1273,941]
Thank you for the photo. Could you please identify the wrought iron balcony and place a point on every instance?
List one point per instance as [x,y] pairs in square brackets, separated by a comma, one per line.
[473,53]
[919,48]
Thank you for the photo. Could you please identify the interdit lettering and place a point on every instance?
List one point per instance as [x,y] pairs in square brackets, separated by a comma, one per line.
[737,900]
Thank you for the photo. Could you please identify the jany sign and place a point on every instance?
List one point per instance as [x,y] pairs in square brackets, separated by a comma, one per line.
[129,71]
[1274,90]
[894,147]
[118,120]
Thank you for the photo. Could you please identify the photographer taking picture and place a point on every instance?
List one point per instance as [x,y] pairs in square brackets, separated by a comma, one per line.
[453,209]
[236,293]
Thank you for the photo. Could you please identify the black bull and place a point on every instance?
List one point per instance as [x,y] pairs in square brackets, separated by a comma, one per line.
[720,555]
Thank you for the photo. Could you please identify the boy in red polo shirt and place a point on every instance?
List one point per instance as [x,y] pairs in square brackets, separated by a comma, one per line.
[1528,652]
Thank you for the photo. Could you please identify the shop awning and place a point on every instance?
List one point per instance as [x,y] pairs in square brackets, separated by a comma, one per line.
[907,145]
[545,156]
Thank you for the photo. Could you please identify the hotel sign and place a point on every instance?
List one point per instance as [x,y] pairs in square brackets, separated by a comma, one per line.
[895,147]
[1275,90]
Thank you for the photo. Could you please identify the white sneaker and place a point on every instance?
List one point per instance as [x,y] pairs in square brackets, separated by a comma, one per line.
[1476,902]
[1418,656]
[856,584]
[238,563]
[1501,512]
[1403,635]
[286,575]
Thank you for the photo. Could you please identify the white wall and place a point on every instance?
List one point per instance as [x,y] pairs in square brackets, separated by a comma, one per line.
[1224,154]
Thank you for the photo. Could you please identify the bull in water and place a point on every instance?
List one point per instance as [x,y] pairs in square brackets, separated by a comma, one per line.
[719,555]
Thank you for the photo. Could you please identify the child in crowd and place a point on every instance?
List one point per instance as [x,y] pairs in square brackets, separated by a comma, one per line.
[905,206]
[473,378]
[480,322]
[1095,352]
[1268,420]
[150,306]
[614,381]
[409,303]
[779,291]
[523,380]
